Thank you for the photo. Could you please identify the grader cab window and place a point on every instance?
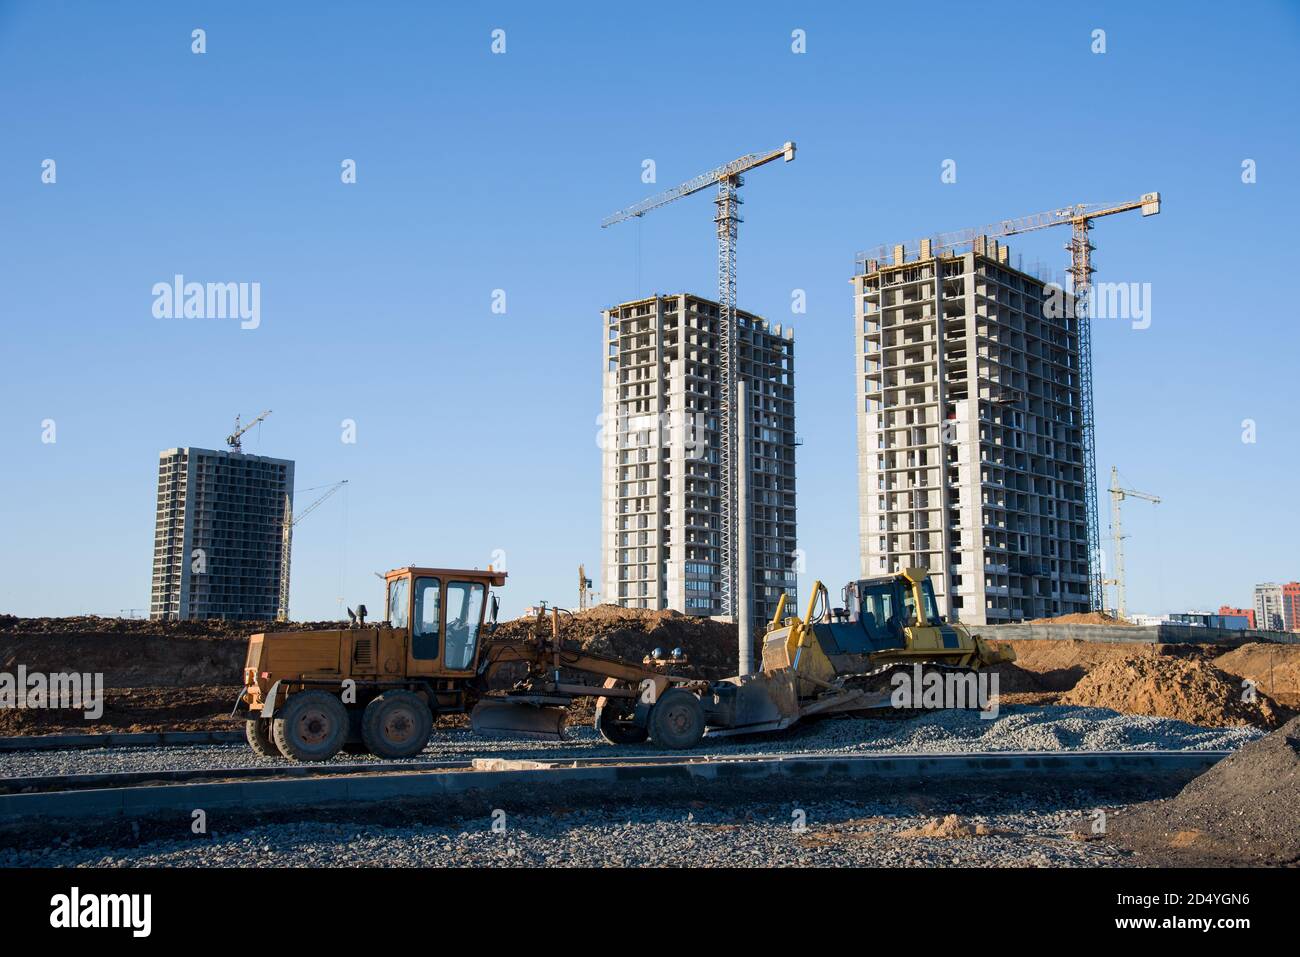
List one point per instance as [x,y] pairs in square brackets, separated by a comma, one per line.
[428,610]
[464,613]
[397,602]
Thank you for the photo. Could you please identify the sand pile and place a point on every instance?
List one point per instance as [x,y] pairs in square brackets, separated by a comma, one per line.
[1244,811]
[1082,618]
[949,827]
[1188,690]
[1274,668]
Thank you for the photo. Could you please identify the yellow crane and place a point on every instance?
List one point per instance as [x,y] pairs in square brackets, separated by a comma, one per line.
[1079,218]
[728,178]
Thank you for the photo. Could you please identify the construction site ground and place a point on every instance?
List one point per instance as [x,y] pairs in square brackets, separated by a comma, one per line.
[184,676]
[1058,695]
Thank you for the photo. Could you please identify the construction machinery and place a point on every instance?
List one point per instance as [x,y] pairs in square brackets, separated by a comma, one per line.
[1079,218]
[309,694]
[728,178]
[288,524]
[233,439]
[1117,496]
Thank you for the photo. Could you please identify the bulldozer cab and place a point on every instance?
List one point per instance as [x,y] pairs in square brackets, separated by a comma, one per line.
[444,611]
[889,604]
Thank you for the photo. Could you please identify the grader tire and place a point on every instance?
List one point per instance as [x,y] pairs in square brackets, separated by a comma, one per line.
[615,727]
[312,726]
[258,735]
[677,720]
[397,724]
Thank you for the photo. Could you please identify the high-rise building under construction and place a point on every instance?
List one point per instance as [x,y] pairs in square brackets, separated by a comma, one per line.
[660,505]
[970,445]
[220,535]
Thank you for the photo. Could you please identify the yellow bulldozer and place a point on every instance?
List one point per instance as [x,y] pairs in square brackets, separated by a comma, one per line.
[308,695]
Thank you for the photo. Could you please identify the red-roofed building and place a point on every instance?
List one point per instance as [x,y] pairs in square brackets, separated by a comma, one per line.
[1248,613]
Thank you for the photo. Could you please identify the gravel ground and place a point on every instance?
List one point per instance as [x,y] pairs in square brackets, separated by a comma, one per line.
[1019,728]
[1026,834]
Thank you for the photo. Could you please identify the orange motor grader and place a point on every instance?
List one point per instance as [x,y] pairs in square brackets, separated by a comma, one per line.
[309,694]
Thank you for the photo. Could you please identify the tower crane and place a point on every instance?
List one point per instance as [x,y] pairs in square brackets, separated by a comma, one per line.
[1117,495]
[290,520]
[728,178]
[1079,218]
[233,439]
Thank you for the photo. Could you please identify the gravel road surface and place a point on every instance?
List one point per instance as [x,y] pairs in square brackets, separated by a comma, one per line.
[1019,728]
[1025,833]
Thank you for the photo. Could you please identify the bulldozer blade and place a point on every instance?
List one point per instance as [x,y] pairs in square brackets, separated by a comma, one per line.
[511,719]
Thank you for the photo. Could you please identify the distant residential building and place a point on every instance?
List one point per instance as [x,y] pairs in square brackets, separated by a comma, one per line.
[1291,606]
[1146,621]
[1205,619]
[220,535]
[970,441]
[1268,607]
[661,495]
[1247,613]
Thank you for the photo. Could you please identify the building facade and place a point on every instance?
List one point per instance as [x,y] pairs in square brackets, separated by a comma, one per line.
[220,537]
[660,505]
[970,444]
[1269,614]
[1291,606]
[1247,613]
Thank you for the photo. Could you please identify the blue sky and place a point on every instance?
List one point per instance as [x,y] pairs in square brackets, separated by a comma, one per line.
[476,432]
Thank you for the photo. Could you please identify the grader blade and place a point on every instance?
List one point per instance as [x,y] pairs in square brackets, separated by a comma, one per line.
[517,719]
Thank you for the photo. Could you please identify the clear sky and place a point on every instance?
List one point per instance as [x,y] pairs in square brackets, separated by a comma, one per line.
[480,171]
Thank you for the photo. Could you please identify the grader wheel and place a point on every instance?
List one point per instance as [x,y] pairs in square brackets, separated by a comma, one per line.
[677,720]
[258,735]
[312,726]
[397,724]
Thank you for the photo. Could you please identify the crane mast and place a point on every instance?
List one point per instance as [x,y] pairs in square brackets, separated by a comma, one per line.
[1117,495]
[728,179]
[290,520]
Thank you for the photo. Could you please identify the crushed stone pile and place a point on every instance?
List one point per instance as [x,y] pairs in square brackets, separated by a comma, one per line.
[1170,687]
[1244,811]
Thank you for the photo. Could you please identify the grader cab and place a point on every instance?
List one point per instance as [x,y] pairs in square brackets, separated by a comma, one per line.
[309,694]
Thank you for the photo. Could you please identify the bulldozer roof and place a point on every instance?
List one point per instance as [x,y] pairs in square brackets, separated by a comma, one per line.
[497,578]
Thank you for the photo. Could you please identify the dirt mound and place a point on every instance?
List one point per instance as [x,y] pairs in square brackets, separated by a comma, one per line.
[127,660]
[1186,689]
[1274,668]
[202,708]
[949,827]
[710,647]
[1081,618]
[95,625]
[1244,811]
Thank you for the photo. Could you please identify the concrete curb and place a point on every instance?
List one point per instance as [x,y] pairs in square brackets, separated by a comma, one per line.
[531,786]
[142,739]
